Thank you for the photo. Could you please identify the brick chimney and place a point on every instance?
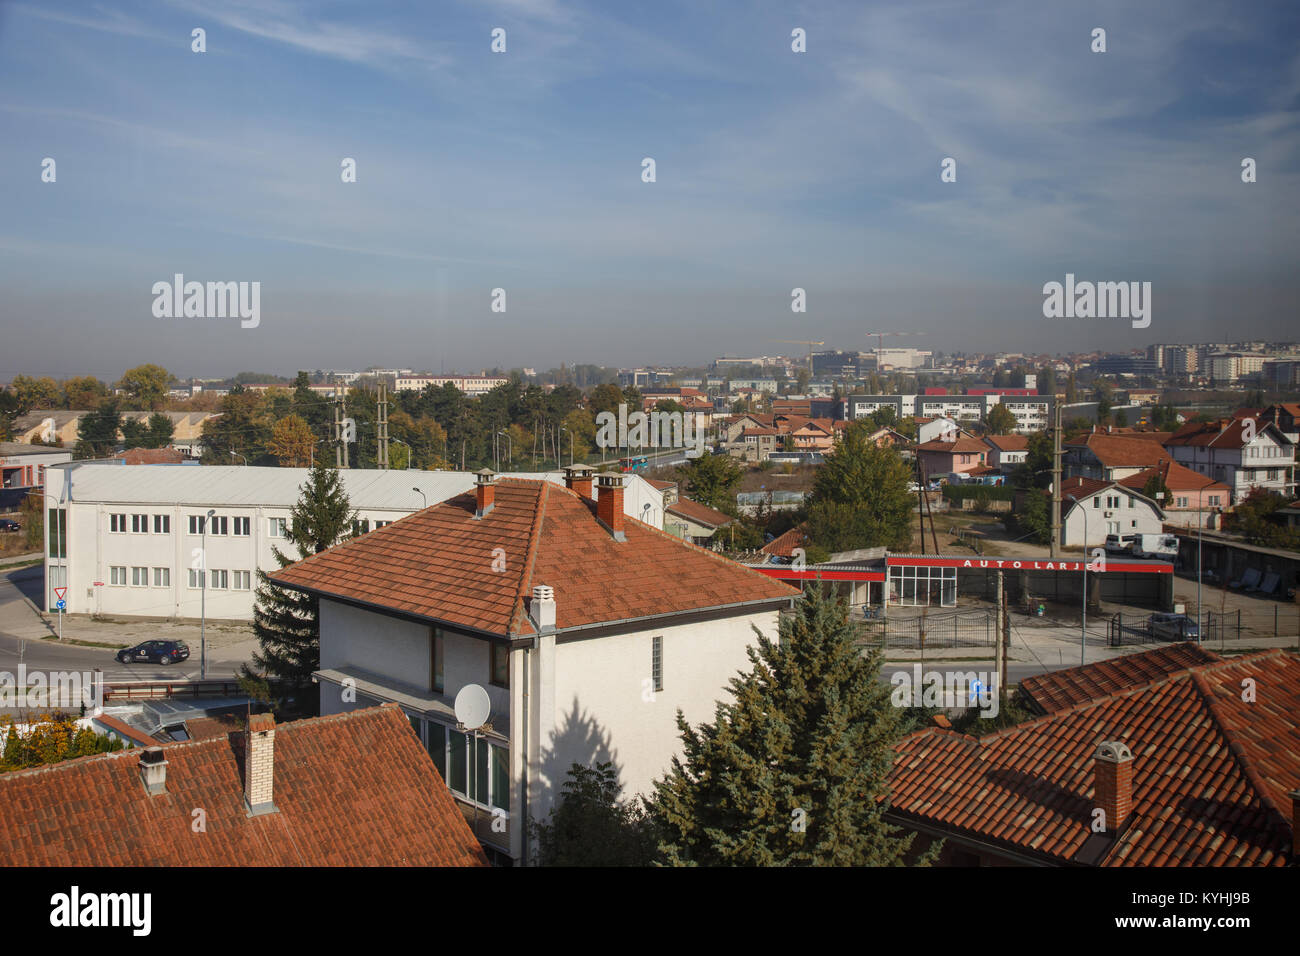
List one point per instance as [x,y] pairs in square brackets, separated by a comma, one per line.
[578,478]
[609,506]
[485,491]
[1112,768]
[259,764]
[153,771]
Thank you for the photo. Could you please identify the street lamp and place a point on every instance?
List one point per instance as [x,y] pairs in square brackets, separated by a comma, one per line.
[510,448]
[410,453]
[563,429]
[422,495]
[203,598]
[1083,628]
[235,454]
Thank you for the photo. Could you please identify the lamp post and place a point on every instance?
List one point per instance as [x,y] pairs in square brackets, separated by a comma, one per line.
[410,453]
[422,496]
[1083,628]
[235,454]
[203,598]
[563,429]
[510,449]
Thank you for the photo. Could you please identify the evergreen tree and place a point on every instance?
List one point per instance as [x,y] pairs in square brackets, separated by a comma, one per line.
[97,431]
[860,496]
[793,770]
[589,827]
[287,622]
[712,480]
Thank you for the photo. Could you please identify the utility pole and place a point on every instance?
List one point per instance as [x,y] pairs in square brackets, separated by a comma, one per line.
[338,430]
[1056,477]
[381,425]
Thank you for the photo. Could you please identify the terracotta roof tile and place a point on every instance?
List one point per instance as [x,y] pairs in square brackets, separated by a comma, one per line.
[354,789]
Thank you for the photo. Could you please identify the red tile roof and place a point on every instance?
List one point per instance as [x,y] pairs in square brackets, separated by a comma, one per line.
[436,565]
[354,789]
[700,514]
[151,456]
[1211,773]
[783,545]
[1123,451]
[1220,434]
[1057,690]
[961,445]
[1008,442]
[1176,478]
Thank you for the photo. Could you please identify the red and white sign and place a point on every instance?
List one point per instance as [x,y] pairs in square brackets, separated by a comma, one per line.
[60,593]
[98,584]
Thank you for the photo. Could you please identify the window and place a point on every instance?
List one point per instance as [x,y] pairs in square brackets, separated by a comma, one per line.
[162,577]
[1214,501]
[276,528]
[139,524]
[1112,501]
[500,662]
[1096,502]
[243,580]
[243,527]
[380,524]
[435,659]
[139,577]
[454,753]
[162,524]
[117,524]
[657,662]
[58,533]
[1180,502]
[220,580]
[196,578]
[220,525]
[196,524]
[117,575]
[360,527]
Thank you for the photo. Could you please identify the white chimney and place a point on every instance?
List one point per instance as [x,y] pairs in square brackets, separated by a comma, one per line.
[542,607]
[259,764]
[153,771]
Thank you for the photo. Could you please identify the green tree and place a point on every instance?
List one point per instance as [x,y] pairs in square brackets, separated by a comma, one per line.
[1155,485]
[793,771]
[146,385]
[287,622]
[97,431]
[860,496]
[51,738]
[9,412]
[1001,421]
[292,442]
[155,432]
[1121,418]
[35,394]
[589,827]
[1034,519]
[83,391]
[712,480]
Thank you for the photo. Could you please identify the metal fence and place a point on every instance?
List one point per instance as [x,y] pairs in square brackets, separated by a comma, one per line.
[975,628]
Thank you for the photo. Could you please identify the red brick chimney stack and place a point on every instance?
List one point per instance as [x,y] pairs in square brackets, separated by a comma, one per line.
[609,506]
[485,491]
[1113,782]
[579,478]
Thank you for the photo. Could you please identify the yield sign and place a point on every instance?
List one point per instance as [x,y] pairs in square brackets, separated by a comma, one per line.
[60,593]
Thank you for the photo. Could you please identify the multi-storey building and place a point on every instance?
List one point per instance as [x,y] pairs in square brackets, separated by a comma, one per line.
[469,384]
[1241,453]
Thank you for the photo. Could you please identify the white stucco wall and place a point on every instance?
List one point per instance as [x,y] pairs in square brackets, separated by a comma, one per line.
[1139,519]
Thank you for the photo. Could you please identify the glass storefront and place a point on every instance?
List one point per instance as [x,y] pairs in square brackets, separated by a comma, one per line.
[912,586]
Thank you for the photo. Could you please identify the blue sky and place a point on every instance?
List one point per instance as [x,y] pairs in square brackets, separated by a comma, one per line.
[522,171]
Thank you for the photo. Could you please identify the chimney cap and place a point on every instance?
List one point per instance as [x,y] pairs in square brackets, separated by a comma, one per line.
[609,479]
[484,476]
[1114,751]
[578,469]
[260,723]
[152,755]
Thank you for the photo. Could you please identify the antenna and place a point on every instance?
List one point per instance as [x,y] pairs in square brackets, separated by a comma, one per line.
[473,706]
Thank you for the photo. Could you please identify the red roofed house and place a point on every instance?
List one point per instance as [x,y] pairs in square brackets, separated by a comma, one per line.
[588,629]
[693,521]
[945,457]
[353,789]
[1110,457]
[1092,509]
[1243,453]
[1187,760]
[1192,499]
[1007,451]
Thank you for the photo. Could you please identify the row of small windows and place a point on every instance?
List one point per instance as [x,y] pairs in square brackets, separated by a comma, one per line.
[239,526]
[162,578]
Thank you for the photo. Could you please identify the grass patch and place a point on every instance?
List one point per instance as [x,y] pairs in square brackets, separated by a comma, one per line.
[21,564]
[80,643]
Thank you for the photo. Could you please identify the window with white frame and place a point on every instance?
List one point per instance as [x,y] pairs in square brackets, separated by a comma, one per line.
[139,577]
[196,524]
[139,524]
[476,771]
[117,524]
[162,524]
[242,580]
[162,577]
[220,525]
[657,662]
[220,580]
[196,578]
[117,575]
[276,527]
[241,526]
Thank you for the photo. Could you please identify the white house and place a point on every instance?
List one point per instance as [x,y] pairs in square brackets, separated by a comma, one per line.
[589,631]
[127,540]
[1092,508]
[1243,453]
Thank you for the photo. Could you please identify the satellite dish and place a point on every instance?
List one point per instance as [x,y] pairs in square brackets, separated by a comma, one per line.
[473,706]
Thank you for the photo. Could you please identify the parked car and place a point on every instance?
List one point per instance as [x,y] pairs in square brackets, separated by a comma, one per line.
[1173,627]
[1119,543]
[8,524]
[1155,546]
[154,652]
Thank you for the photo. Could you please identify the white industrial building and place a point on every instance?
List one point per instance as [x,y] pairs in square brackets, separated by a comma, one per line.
[128,541]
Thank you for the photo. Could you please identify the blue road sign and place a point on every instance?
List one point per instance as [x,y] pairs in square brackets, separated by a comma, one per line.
[61,605]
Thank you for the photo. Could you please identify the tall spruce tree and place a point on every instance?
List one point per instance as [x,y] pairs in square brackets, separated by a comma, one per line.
[287,622]
[793,770]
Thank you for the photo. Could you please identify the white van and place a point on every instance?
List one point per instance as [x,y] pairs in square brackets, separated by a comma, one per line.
[1155,546]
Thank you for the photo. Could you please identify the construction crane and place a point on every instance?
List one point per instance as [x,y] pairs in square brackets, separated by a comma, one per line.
[880,335]
[803,342]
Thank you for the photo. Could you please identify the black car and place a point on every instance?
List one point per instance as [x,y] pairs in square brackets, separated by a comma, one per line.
[8,524]
[154,652]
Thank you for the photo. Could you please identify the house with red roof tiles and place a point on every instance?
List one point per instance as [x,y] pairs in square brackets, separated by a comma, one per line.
[1193,498]
[1243,453]
[1007,451]
[1091,509]
[1110,457]
[588,629]
[353,789]
[939,458]
[1169,758]
[693,521]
